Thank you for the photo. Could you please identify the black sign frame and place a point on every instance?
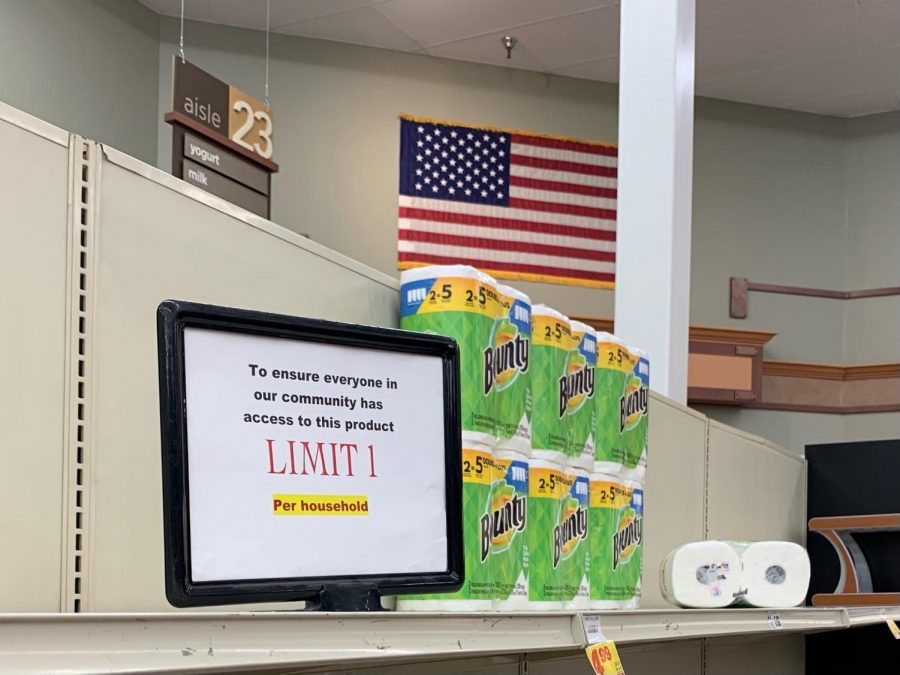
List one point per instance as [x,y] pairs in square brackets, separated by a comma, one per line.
[338,593]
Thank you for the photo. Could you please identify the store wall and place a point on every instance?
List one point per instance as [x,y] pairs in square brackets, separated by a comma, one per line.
[764,179]
[769,206]
[88,66]
[872,251]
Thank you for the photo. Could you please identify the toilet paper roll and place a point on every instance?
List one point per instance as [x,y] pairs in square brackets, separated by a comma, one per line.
[509,499]
[545,485]
[616,524]
[773,573]
[574,541]
[476,594]
[460,302]
[551,338]
[508,370]
[701,574]
[579,393]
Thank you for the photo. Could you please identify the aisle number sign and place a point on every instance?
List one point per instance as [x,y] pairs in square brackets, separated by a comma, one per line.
[601,652]
[222,139]
[223,109]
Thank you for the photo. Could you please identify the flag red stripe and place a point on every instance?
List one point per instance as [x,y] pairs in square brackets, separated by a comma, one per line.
[561,165]
[506,223]
[557,186]
[510,245]
[405,256]
[558,144]
[568,209]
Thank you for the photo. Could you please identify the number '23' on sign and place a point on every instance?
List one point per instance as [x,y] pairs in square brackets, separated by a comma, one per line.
[250,125]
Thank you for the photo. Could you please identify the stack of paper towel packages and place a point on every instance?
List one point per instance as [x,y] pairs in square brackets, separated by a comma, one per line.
[707,574]
[554,421]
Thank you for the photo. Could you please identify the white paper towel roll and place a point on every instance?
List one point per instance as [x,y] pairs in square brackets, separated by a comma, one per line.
[513,400]
[433,300]
[508,561]
[577,594]
[701,574]
[774,573]
[543,509]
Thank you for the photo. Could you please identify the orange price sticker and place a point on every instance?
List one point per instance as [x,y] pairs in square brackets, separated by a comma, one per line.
[892,626]
[604,658]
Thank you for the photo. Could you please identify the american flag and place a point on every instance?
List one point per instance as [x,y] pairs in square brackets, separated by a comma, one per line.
[516,205]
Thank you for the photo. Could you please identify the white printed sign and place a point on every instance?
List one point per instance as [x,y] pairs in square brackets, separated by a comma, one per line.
[311,460]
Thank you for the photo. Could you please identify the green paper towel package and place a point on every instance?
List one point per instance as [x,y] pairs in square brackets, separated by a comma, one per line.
[578,394]
[462,303]
[477,592]
[634,407]
[551,338]
[571,539]
[622,381]
[616,521]
[545,482]
[506,370]
[509,511]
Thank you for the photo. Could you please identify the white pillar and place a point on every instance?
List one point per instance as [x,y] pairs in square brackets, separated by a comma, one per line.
[656,136]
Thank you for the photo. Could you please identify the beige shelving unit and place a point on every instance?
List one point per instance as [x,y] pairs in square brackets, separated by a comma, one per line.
[292,642]
[100,240]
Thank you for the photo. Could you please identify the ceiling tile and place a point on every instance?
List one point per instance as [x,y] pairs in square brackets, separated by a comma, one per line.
[576,38]
[838,57]
[362,26]
[252,13]
[435,22]
[789,86]
[823,35]
[605,70]
[489,49]
[720,19]
[882,22]
[286,12]
[854,105]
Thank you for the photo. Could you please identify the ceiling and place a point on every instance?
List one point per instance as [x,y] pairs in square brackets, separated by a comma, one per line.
[833,57]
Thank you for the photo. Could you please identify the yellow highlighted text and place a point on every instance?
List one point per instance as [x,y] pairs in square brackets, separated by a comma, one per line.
[320,505]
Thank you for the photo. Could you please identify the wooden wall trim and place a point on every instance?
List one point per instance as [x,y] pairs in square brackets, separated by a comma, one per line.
[732,336]
[828,371]
[829,409]
[740,288]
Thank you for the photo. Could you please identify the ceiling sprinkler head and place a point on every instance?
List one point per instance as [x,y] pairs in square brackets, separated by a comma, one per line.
[509,42]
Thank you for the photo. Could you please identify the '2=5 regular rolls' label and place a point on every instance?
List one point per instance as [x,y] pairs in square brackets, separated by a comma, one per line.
[463,308]
[551,338]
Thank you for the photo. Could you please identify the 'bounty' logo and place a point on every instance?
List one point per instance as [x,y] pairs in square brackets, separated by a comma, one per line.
[627,538]
[506,357]
[572,527]
[577,383]
[505,518]
[632,404]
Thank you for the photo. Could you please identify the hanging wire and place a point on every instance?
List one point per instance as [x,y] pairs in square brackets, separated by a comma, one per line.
[267,54]
[181,37]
